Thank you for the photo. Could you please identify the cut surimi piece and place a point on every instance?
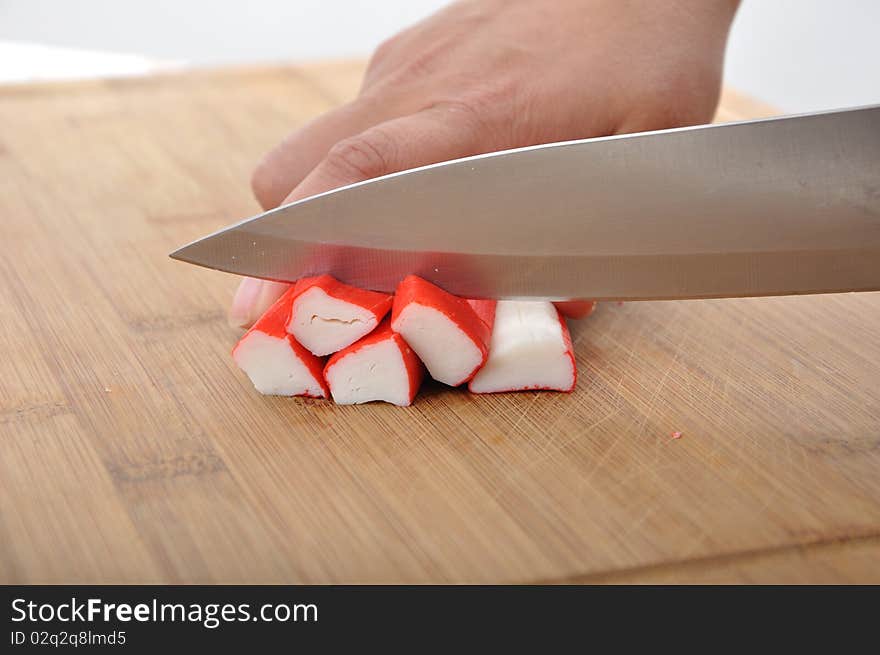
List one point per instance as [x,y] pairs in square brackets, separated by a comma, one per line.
[381,366]
[274,361]
[449,334]
[530,349]
[328,315]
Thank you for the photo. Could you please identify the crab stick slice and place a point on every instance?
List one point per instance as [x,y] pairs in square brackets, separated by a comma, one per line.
[530,349]
[328,315]
[381,366]
[449,334]
[274,361]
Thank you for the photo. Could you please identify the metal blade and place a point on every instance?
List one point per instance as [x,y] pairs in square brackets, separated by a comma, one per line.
[778,206]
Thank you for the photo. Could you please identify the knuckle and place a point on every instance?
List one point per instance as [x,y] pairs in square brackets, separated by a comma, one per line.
[488,109]
[486,97]
[474,106]
[383,50]
[364,156]
[379,59]
[465,110]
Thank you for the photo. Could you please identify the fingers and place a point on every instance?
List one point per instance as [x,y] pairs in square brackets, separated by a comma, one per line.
[252,299]
[286,165]
[576,308]
[280,170]
[436,134]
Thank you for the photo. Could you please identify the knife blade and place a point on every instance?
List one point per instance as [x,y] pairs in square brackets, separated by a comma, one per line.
[786,205]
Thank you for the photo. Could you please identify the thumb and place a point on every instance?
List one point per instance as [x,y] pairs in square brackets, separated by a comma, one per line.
[251,300]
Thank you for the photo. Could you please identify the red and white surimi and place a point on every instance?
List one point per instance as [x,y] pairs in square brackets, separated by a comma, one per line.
[328,315]
[381,366]
[449,334]
[530,349]
[274,361]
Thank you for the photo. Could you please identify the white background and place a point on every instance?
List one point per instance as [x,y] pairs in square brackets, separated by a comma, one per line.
[797,54]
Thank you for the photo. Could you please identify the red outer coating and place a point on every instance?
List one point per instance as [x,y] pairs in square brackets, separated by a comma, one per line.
[373,301]
[576,308]
[414,368]
[473,317]
[274,322]
[275,318]
[569,350]
[485,310]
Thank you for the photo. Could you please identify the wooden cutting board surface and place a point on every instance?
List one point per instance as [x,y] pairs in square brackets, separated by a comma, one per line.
[133,450]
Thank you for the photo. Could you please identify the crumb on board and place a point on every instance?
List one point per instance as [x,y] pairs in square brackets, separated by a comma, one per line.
[107,389]
[676,435]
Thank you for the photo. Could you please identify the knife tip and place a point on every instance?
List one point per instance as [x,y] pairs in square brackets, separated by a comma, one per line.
[180,255]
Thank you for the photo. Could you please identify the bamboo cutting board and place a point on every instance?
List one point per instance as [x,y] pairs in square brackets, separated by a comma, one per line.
[133,450]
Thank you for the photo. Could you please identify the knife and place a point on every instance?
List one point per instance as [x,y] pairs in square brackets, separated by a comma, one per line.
[786,205]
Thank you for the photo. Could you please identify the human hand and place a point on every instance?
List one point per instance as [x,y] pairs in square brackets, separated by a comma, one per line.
[486,75]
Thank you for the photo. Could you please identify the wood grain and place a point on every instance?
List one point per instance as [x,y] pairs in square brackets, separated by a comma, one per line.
[133,450]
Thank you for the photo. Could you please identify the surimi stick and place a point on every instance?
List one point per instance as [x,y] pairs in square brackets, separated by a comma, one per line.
[328,315]
[449,334]
[381,366]
[530,349]
[274,361]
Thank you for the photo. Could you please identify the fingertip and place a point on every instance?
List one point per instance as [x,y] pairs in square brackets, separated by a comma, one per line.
[264,187]
[269,293]
[242,302]
[251,300]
